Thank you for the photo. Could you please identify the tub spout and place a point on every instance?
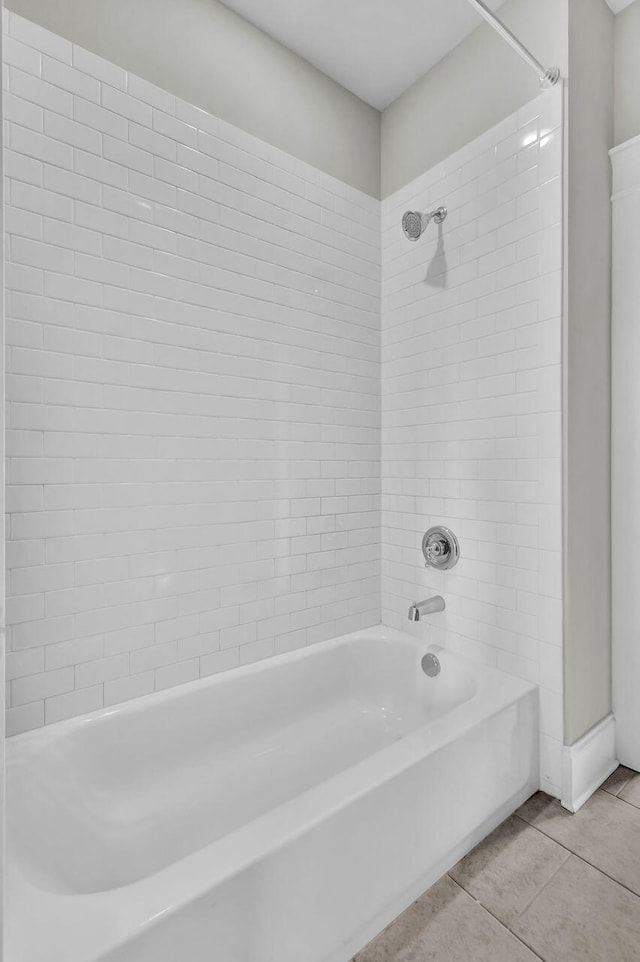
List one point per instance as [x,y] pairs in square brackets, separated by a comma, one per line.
[420,608]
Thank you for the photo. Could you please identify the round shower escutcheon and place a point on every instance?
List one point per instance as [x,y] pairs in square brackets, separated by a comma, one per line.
[440,548]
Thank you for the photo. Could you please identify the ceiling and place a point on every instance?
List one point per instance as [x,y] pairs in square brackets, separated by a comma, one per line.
[376,48]
[618,5]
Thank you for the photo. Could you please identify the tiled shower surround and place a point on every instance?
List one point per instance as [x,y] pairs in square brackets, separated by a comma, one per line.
[471,405]
[193,351]
[194,394]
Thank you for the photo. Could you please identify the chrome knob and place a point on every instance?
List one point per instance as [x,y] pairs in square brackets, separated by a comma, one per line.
[440,548]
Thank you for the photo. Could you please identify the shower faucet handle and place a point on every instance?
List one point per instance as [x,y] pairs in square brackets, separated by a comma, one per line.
[436,549]
[440,548]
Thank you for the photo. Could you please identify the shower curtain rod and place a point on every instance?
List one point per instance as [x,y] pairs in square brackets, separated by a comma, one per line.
[549,76]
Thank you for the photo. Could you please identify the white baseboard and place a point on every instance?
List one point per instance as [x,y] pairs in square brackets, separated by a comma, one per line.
[588,763]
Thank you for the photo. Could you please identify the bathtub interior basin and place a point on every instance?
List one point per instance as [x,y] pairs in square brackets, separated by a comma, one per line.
[140,789]
[339,779]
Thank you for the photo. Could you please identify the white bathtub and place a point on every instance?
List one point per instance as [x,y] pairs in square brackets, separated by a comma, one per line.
[283,812]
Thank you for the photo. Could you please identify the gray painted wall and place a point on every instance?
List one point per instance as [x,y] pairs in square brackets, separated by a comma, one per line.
[627,74]
[474,87]
[587,651]
[208,55]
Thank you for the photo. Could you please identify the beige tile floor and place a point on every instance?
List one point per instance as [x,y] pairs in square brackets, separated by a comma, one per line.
[545,885]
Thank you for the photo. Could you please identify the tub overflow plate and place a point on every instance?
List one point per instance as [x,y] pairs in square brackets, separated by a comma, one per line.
[440,548]
[430,664]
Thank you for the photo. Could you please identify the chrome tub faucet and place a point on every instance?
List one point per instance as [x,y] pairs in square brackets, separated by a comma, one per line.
[428,607]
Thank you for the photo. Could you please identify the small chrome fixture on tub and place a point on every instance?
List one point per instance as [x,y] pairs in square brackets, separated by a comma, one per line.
[440,548]
[414,223]
[431,664]
[428,607]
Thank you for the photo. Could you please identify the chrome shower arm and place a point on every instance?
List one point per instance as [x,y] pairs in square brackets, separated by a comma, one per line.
[549,76]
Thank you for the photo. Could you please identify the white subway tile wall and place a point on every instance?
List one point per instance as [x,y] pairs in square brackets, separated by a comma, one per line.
[471,405]
[194,394]
[193,390]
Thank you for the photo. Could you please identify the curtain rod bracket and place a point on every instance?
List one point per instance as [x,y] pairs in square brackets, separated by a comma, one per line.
[550,77]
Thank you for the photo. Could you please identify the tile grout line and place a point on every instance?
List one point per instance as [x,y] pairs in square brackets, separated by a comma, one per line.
[533,898]
[499,921]
[538,892]
[621,789]
[582,858]
[544,885]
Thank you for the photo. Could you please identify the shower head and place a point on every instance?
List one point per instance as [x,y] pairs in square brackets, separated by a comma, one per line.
[414,223]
